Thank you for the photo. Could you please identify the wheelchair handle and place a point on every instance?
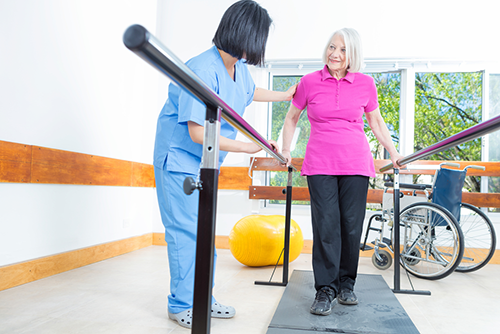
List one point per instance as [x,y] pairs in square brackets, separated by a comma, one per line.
[475,167]
[450,164]
[409,186]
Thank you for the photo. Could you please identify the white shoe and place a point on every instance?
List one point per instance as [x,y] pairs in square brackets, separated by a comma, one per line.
[184,318]
[221,311]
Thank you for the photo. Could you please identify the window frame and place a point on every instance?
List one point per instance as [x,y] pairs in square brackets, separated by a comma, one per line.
[407,69]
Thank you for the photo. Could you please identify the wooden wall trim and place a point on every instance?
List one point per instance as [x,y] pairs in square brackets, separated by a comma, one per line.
[21,163]
[234,178]
[25,272]
[15,162]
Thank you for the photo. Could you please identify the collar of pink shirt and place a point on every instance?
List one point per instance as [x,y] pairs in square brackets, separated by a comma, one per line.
[325,74]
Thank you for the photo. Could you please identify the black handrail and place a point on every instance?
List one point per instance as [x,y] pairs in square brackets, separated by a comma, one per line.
[466,135]
[149,48]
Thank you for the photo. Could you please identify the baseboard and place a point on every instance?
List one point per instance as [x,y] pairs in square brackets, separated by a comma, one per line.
[29,271]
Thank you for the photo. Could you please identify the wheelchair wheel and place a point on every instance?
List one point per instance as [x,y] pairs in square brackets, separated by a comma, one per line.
[479,237]
[413,257]
[386,259]
[431,241]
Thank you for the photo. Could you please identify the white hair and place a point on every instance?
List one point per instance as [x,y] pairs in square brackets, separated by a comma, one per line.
[354,48]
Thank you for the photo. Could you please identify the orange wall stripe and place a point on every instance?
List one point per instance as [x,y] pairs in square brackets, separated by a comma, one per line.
[21,163]
[15,162]
[64,167]
[143,175]
[235,178]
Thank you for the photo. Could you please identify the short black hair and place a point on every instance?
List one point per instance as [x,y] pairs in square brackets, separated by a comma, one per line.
[243,30]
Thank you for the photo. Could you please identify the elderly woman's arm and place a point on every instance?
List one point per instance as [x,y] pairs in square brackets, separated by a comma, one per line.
[291,120]
[381,132]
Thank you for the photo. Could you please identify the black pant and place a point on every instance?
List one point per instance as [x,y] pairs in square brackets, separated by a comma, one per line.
[338,205]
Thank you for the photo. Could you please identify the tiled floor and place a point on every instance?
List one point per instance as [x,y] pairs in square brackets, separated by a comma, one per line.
[127,294]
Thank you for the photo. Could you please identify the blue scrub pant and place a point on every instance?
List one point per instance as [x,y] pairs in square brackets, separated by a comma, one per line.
[179,214]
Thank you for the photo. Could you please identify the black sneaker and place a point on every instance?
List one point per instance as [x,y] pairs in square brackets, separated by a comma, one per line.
[347,297]
[322,304]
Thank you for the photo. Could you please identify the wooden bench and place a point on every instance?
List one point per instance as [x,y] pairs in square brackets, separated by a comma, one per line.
[491,200]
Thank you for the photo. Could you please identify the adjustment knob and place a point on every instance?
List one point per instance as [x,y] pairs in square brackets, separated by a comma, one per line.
[190,185]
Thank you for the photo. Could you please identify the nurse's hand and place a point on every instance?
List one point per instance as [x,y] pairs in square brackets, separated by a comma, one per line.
[291,92]
[274,145]
[252,148]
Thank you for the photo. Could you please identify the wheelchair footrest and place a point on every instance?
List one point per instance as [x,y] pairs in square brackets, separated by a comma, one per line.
[386,241]
[365,247]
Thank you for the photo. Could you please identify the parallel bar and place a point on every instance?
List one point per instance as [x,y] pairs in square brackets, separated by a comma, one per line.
[471,133]
[145,45]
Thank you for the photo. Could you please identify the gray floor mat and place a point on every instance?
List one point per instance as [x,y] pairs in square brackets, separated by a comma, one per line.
[378,310]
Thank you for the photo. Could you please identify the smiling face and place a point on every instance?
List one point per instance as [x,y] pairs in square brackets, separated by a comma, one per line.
[336,58]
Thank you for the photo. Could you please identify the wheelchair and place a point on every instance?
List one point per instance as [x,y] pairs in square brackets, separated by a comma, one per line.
[438,233]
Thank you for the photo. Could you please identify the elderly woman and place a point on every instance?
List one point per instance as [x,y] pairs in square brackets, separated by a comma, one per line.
[338,162]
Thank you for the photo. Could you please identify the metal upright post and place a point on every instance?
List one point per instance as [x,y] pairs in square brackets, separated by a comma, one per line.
[395,226]
[286,246]
[396,230]
[288,214]
[204,268]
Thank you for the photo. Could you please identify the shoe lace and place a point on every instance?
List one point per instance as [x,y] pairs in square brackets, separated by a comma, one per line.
[323,294]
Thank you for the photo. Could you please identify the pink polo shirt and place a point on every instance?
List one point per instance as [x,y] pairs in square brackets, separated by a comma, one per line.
[337,144]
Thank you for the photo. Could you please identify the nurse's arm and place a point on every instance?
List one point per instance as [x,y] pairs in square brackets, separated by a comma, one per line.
[196,132]
[381,132]
[264,95]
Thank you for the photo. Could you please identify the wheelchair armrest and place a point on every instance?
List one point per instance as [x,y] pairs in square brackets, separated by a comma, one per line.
[409,186]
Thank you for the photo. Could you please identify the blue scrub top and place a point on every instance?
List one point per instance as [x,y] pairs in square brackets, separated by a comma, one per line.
[173,144]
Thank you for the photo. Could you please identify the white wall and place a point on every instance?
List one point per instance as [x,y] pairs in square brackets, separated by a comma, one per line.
[453,30]
[389,28]
[67,82]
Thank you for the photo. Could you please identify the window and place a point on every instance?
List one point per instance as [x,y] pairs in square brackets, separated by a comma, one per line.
[388,86]
[422,102]
[446,104]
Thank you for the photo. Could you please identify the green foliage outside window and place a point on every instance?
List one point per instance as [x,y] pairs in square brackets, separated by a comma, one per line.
[445,104]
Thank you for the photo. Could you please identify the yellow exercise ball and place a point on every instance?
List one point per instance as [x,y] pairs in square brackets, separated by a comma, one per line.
[257,240]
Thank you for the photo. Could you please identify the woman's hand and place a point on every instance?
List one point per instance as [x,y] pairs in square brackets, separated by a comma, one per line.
[286,154]
[394,158]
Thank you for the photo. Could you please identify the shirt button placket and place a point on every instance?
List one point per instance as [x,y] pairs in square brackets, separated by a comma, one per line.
[338,91]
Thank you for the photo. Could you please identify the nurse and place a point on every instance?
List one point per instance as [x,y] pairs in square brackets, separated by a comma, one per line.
[239,40]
